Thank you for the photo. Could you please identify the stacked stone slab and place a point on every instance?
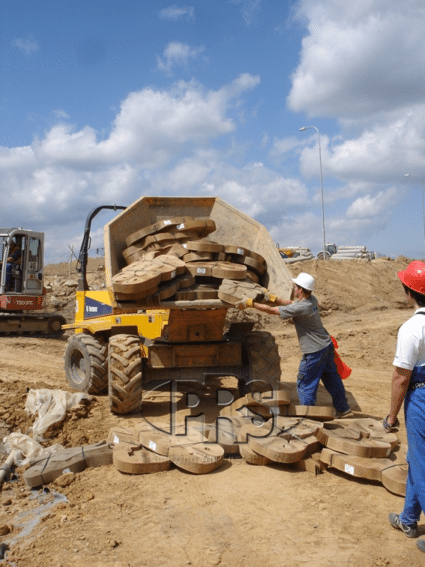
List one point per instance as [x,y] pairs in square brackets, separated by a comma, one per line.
[263,433]
[172,260]
[359,448]
[362,448]
[145,449]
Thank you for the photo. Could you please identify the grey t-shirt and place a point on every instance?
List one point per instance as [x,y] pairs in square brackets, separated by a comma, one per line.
[312,335]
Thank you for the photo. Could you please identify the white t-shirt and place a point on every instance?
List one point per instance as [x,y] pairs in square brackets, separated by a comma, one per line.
[410,350]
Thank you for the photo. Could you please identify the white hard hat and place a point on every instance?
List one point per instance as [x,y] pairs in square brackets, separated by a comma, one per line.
[305,281]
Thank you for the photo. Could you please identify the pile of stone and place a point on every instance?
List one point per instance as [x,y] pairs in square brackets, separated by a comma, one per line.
[269,429]
[172,260]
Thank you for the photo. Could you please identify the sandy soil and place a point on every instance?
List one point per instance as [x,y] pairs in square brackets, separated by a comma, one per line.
[239,515]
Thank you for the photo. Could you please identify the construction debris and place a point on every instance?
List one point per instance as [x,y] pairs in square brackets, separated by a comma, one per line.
[351,252]
[292,254]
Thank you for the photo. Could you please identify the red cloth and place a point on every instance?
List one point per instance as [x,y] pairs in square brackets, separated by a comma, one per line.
[343,370]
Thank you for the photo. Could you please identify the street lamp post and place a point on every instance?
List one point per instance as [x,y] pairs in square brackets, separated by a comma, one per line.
[423,201]
[321,186]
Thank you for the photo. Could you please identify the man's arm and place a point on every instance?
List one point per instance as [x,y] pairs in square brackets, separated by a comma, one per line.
[268,308]
[399,386]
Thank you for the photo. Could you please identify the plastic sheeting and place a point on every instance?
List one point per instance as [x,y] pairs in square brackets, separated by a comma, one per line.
[26,449]
[51,407]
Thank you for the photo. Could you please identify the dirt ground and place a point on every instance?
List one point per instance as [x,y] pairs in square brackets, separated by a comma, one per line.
[239,515]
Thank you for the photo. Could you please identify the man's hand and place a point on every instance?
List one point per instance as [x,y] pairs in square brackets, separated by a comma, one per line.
[268,296]
[388,428]
[244,303]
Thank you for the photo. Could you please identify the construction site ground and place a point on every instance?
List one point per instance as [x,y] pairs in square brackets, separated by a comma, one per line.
[239,515]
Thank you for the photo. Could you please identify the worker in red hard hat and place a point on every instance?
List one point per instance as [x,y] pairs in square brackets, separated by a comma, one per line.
[318,360]
[408,386]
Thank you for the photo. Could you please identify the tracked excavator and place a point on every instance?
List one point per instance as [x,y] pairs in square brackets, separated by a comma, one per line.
[22,291]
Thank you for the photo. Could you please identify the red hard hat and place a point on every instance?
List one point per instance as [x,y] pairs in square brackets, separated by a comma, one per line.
[414,276]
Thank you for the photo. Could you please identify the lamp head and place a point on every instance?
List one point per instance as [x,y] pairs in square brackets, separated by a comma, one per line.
[303,128]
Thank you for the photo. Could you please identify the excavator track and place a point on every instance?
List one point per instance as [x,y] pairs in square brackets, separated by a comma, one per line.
[48,325]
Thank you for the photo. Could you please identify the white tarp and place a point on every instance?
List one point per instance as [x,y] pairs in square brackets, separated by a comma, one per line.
[51,407]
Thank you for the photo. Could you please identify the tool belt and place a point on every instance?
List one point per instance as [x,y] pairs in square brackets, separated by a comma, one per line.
[416,385]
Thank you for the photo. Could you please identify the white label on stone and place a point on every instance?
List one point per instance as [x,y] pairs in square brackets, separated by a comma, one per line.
[240,251]
[201,270]
[167,222]
[173,274]
[152,445]
[66,470]
[349,469]
[180,226]
[116,440]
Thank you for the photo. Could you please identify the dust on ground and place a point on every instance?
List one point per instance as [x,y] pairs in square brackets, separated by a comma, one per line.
[239,515]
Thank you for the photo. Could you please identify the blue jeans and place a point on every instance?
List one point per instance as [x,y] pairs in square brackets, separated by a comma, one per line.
[318,366]
[414,412]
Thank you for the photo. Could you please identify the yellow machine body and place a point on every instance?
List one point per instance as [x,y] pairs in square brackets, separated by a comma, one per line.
[94,314]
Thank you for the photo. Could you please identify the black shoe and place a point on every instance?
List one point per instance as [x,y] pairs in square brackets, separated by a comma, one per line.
[345,413]
[409,531]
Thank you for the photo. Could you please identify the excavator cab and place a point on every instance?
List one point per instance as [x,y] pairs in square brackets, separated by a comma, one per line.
[22,291]
[24,274]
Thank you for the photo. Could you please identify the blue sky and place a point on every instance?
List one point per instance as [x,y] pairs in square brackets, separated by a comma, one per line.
[103,101]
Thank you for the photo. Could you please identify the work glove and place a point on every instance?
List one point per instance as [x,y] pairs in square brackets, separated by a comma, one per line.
[388,428]
[268,296]
[244,303]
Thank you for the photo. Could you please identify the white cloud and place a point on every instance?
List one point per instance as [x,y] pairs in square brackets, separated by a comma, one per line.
[177,13]
[25,45]
[159,143]
[61,114]
[177,53]
[249,9]
[373,206]
[359,57]
[383,152]
[154,126]
[151,128]
[282,146]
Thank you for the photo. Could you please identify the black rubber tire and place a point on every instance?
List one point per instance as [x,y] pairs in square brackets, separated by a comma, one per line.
[264,362]
[320,255]
[124,374]
[86,363]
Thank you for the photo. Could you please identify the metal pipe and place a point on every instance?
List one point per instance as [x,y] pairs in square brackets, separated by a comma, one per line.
[321,186]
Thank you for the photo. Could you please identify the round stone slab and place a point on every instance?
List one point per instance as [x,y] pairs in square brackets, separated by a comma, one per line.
[229,270]
[197,458]
[127,283]
[350,441]
[279,449]
[155,227]
[204,246]
[132,459]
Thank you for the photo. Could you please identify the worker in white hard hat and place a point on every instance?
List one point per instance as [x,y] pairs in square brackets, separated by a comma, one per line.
[318,352]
